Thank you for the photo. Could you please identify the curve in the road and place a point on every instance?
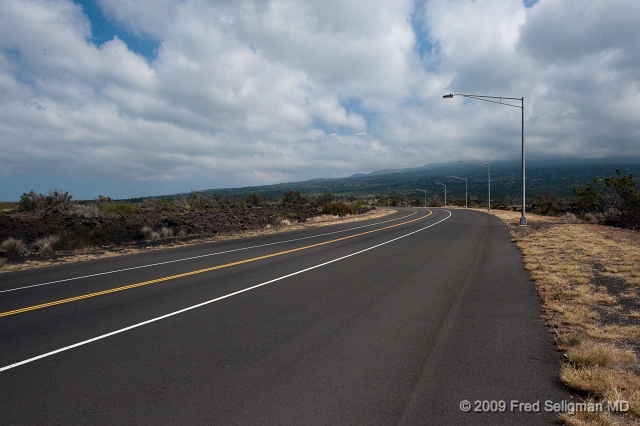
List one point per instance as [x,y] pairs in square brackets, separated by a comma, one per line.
[205,255]
[122,330]
[198,271]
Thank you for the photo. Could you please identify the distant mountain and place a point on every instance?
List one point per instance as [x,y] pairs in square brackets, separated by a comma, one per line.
[559,177]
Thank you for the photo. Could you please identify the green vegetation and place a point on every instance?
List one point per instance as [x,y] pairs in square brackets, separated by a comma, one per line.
[57,199]
[338,209]
[293,197]
[119,208]
[615,199]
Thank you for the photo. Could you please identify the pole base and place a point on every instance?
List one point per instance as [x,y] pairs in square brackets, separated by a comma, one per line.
[523,221]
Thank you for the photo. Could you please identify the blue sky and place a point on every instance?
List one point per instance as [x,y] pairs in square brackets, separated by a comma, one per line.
[125,98]
[104,29]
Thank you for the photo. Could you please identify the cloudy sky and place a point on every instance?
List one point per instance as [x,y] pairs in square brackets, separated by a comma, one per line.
[133,98]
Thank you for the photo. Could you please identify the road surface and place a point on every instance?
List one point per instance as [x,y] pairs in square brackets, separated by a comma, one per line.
[397,320]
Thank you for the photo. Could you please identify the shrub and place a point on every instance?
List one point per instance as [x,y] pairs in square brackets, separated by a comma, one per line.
[120,208]
[13,246]
[30,201]
[326,198]
[45,245]
[254,199]
[57,199]
[86,210]
[360,208]
[166,232]
[338,208]
[614,198]
[80,238]
[293,197]
[149,234]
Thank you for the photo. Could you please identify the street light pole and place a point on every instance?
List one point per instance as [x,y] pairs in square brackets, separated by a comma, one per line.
[425,196]
[466,191]
[445,194]
[523,219]
[488,166]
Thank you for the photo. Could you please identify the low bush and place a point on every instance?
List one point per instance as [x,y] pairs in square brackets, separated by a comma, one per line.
[46,245]
[86,210]
[57,199]
[149,234]
[338,209]
[13,247]
[615,199]
[119,208]
[293,197]
[80,238]
[166,232]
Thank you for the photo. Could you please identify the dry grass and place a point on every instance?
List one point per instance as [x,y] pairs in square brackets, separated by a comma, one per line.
[325,218]
[149,234]
[166,232]
[588,277]
[597,354]
[13,246]
[45,245]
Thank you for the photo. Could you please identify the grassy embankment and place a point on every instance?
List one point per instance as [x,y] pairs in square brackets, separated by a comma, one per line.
[588,277]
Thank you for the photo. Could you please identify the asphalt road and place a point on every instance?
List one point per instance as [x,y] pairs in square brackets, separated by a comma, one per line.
[391,321]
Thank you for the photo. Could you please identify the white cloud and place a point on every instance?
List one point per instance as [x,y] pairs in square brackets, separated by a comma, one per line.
[261,91]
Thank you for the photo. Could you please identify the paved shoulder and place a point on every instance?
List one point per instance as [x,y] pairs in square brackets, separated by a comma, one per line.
[493,350]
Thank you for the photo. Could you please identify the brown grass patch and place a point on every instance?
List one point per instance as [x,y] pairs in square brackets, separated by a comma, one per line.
[588,277]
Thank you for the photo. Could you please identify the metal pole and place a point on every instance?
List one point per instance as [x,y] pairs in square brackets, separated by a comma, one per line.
[492,99]
[445,194]
[489,205]
[466,192]
[523,219]
[425,196]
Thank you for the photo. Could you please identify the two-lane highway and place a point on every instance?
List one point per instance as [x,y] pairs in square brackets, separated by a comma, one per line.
[395,320]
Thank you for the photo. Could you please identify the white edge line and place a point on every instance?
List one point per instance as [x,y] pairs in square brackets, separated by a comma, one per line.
[199,305]
[201,256]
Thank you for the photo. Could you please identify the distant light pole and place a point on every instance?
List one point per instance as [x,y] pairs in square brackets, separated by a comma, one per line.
[488,166]
[466,197]
[445,194]
[425,196]
[405,198]
[523,219]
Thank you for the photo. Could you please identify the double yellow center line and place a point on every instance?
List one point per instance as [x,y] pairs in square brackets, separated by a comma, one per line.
[199,271]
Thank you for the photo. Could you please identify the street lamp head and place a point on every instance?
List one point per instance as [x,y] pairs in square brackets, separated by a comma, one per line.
[449,96]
